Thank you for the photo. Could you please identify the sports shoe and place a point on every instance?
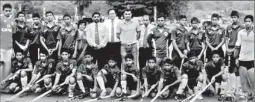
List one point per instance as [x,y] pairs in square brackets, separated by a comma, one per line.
[70,95]
[123,97]
[23,94]
[221,97]
[200,97]
[83,95]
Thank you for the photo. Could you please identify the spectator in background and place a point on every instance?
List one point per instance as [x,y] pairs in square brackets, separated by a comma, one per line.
[113,45]
[97,37]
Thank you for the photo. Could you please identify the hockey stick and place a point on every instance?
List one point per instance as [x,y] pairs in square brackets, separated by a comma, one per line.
[44,94]
[165,88]
[181,65]
[199,93]
[145,94]
[22,91]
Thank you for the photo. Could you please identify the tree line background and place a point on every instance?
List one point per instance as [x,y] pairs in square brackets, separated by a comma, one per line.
[170,8]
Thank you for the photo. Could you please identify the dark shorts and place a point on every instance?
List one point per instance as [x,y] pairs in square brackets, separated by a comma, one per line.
[176,57]
[247,64]
[192,82]
[131,84]
[110,81]
[232,66]
[18,79]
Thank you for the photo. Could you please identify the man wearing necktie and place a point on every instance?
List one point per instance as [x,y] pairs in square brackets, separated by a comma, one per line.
[113,45]
[145,51]
[97,37]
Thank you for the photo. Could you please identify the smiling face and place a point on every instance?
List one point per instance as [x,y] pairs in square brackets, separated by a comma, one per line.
[67,20]
[96,18]
[183,21]
[248,22]
[112,14]
[112,63]
[129,62]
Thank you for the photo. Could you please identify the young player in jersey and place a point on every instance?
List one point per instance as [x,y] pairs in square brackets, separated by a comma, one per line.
[86,76]
[150,75]
[6,43]
[21,34]
[49,35]
[161,35]
[215,37]
[45,70]
[67,36]
[129,77]
[65,73]
[179,40]
[35,31]
[196,39]
[231,38]
[195,70]
[20,73]
[244,52]
[171,78]
[81,40]
[215,72]
[109,77]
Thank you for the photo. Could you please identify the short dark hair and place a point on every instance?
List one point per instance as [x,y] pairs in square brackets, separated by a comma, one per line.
[7,6]
[215,52]
[182,17]
[81,21]
[49,12]
[19,13]
[88,53]
[152,58]
[160,16]
[215,15]
[113,58]
[194,19]
[36,15]
[43,52]
[167,61]
[96,13]
[67,15]
[111,10]
[129,56]
[234,13]
[65,50]
[248,16]
[127,10]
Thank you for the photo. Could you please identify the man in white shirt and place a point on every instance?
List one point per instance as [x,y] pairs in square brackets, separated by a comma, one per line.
[113,45]
[245,54]
[145,51]
[97,38]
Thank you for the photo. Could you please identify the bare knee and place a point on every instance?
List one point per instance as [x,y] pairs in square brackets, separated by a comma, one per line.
[47,81]
[184,76]
[23,73]
[79,77]
[72,80]
[123,77]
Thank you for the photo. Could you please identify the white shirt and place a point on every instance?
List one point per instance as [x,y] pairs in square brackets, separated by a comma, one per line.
[247,45]
[103,34]
[149,28]
[108,24]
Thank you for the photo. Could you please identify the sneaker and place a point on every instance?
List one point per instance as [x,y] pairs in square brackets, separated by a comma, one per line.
[49,94]
[23,94]
[123,97]
[83,95]
[200,97]
[221,97]
[70,95]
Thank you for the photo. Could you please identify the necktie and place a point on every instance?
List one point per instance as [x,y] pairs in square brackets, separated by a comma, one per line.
[145,37]
[112,33]
[97,35]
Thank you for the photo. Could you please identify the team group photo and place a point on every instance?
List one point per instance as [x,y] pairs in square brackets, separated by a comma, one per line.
[127,50]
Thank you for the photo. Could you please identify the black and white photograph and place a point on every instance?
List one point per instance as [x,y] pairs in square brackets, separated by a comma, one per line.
[127,51]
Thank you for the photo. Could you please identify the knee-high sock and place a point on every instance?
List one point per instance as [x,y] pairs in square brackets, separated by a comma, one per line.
[80,84]
[232,81]
[238,83]
[224,87]
[101,83]
[23,81]
[217,86]
[124,86]
[182,86]
[71,87]
[48,86]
